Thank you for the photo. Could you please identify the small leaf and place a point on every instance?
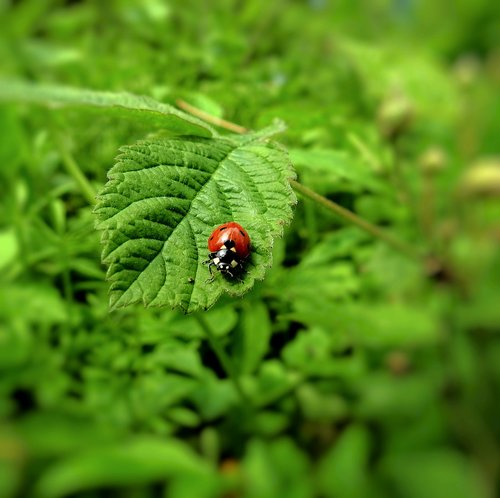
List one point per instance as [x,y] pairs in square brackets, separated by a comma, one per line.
[124,105]
[252,336]
[272,382]
[343,470]
[336,167]
[214,397]
[164,198]
[312,353]
[41,304]
[278,468]
[445,472]
[9,247]
[139,461]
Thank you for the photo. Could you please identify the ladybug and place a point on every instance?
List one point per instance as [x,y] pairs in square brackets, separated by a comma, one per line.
[229,246]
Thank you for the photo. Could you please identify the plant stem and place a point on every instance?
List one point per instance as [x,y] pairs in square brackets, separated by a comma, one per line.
[222,356]
[222,123]
[352,218]
[344,213]
[74,170]
[365,152]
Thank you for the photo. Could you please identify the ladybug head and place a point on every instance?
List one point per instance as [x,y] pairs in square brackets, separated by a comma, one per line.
[226,261]
[224,267]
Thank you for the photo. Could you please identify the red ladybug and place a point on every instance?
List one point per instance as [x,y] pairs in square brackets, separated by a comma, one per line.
[229,246]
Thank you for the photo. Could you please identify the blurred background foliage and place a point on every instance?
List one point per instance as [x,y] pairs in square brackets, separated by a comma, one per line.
[363,372]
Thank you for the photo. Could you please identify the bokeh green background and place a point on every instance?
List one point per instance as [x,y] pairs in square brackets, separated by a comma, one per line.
[366,373]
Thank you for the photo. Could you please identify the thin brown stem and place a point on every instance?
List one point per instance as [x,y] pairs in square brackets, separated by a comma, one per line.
[222,123]
[354,219]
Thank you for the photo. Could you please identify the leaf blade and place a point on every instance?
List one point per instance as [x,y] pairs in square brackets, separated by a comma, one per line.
[163,199]
[123,104]
[138,461]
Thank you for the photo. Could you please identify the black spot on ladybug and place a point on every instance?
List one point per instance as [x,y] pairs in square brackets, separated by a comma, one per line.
[243,233]
[222,229]
[211,237]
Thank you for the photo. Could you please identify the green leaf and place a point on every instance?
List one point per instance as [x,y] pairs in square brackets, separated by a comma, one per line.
[9,247]
[395,399]
[444,471]
[273,382]
[12,145]
[378,326]
[41,304]
[214,397]
[319,405]
[270,423]
[124,105]
[185,486]
[15,346]
[278,468]
[340,244]
[154,393]
[337,168]
[252,336]
[343,470]
[334,281]
[51,434]
[311,353]
[164,198]
[174,355]
[139,461]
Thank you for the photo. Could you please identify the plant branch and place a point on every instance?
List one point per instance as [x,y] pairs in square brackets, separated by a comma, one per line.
[354,219]
[344,213]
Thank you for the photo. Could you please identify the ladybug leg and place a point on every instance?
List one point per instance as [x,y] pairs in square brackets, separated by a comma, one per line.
[210,279]
[238,277]
[209,262]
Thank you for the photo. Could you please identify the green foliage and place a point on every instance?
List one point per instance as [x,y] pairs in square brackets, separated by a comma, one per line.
[162,202]
[350,370]
[141,460]
[118,105]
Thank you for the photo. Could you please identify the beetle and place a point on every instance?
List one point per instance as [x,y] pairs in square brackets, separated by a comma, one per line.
[229,246]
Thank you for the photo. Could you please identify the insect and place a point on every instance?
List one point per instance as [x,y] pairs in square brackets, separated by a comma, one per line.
[229,246]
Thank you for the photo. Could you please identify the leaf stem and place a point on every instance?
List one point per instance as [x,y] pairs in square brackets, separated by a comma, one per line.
[352,218]
[222,123]
[74,170]
[222,356]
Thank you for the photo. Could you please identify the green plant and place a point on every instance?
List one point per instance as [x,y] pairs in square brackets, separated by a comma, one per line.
[362,362]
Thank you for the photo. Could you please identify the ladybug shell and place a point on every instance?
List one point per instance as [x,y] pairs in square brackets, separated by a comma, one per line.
[230,231]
